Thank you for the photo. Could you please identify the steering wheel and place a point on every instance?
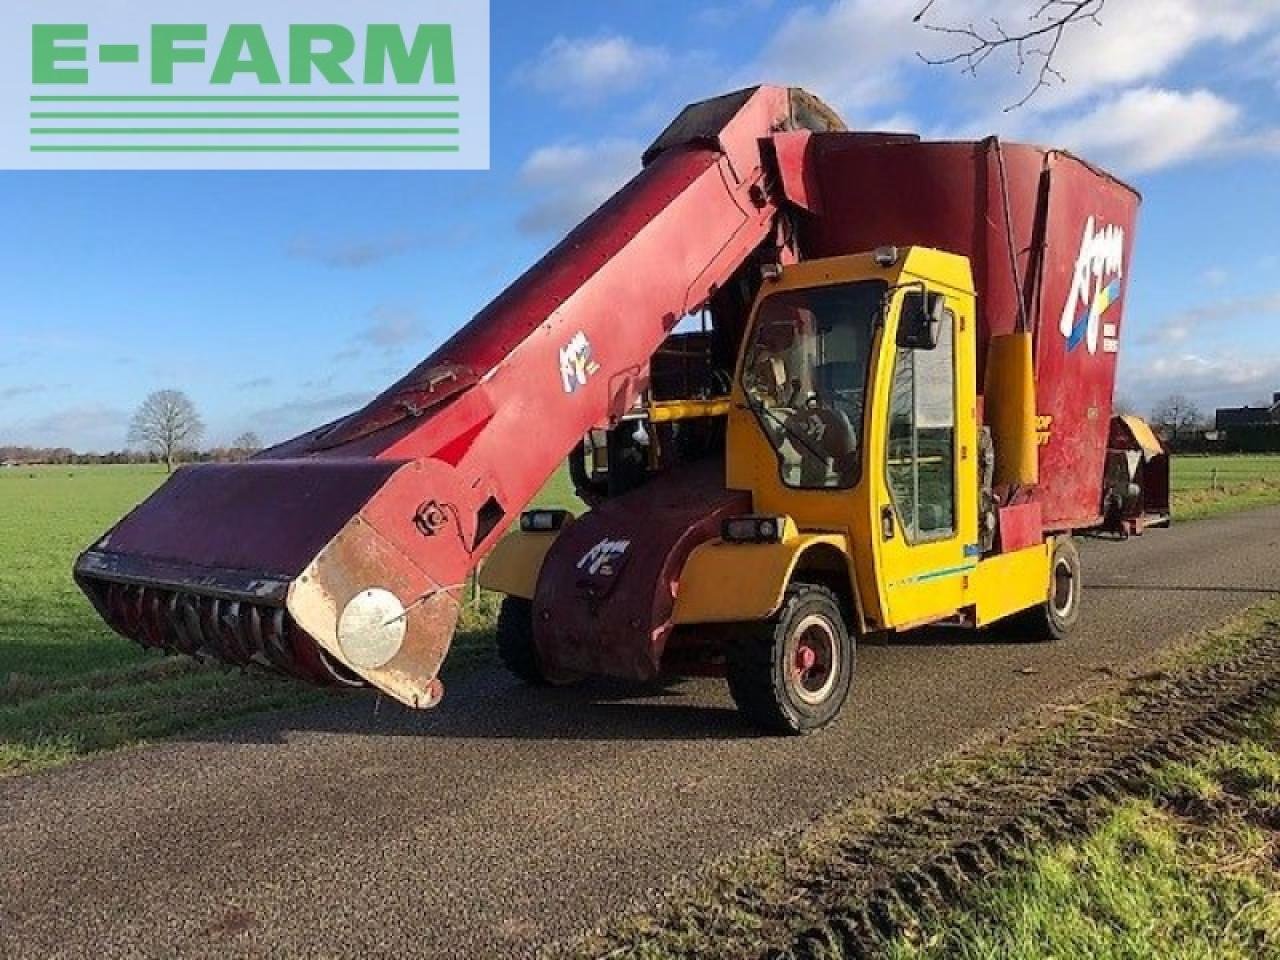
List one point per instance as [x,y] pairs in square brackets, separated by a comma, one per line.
[829,432]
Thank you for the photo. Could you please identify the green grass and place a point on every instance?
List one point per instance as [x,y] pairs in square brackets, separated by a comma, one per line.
[69,686]
[47,516]
[1189,871]
[1206,486]
[751,903]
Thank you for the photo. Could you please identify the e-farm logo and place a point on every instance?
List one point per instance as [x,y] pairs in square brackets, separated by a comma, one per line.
[401,84]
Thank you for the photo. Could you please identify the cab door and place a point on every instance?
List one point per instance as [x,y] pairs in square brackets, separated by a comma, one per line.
[927,495]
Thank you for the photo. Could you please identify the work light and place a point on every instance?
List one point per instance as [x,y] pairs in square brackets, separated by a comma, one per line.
[752,529]
[542,521]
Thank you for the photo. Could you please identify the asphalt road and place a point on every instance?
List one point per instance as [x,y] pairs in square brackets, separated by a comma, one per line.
[509,817]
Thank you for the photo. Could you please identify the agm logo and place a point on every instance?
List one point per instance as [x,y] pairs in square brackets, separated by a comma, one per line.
[1096,286]
[577,362]
[602,558]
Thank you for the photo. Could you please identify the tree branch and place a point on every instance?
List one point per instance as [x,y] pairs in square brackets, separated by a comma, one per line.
[1034,44]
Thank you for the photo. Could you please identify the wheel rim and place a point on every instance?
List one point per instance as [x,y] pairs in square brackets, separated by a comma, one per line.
[1063,590]
[813,660]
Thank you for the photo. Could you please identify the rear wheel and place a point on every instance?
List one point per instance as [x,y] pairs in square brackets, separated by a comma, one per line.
[1059,615]
[791,674]
[516,648]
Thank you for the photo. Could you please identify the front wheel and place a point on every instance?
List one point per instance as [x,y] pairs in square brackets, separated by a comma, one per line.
[517,650]
[791,674]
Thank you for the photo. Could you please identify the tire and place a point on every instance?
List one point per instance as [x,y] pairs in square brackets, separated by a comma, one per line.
[1059,615]
[791,674]
[515,640]
[516,648]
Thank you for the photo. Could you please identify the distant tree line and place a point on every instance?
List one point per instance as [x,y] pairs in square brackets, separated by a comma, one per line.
[1184,428]
[64,456]
[10,453]
[165,429]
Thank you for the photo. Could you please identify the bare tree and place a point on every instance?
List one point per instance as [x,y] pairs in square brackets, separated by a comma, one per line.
[248,442]
[167,424]
[1176,416]
[1033,41]
[243,447]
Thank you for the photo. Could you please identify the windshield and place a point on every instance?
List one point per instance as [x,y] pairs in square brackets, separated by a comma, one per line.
[805,377]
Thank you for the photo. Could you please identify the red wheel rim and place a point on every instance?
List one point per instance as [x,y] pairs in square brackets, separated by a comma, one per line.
[813,659]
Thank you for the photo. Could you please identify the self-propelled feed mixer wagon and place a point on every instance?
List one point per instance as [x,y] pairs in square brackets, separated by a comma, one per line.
[814,385]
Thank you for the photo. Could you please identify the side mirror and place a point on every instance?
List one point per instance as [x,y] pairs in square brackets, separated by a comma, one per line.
[921,320]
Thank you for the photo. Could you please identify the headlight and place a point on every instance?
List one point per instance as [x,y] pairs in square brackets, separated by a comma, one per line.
[753,529]
[542,521]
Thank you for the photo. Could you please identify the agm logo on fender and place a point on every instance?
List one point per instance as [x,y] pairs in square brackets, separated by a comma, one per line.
[601,558]
[1096,286]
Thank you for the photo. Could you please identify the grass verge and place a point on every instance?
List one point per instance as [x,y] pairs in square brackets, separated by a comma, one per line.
[1188,871]
[764,901]
[1207,502]
[45,723]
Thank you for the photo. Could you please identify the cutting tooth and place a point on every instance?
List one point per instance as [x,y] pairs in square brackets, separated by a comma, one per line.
[191,620]
[150,629]
[277,645]
[232,625]
[116,607]
[177,633]
[256,638]
[210,627]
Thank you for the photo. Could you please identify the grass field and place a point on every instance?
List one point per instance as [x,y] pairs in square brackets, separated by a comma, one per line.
[69,686]
[1187,865]
[1204,486]
[1189,871]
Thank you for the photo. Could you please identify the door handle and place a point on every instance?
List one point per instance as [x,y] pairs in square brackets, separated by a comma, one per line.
[886,522]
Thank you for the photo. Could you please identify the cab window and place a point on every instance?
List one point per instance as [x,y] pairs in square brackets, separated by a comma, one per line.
[805,377]
[921,468]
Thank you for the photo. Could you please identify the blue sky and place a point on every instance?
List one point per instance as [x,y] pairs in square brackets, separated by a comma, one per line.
[279,300]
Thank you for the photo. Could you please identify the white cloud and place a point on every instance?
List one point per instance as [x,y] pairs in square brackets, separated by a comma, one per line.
[1262,141]
[1218,379]
[284,420]
[850,53]
[86,427]
[863,54]
[1196,320]
[578,70]
[1131,42]
[1140,40]
[572,179]
[390,327]
[1148,128]
[1216,276]
[353,253]
[1212,376]
[725,15]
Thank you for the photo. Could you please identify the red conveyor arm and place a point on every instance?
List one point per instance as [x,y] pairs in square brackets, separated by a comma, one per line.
[340,555]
